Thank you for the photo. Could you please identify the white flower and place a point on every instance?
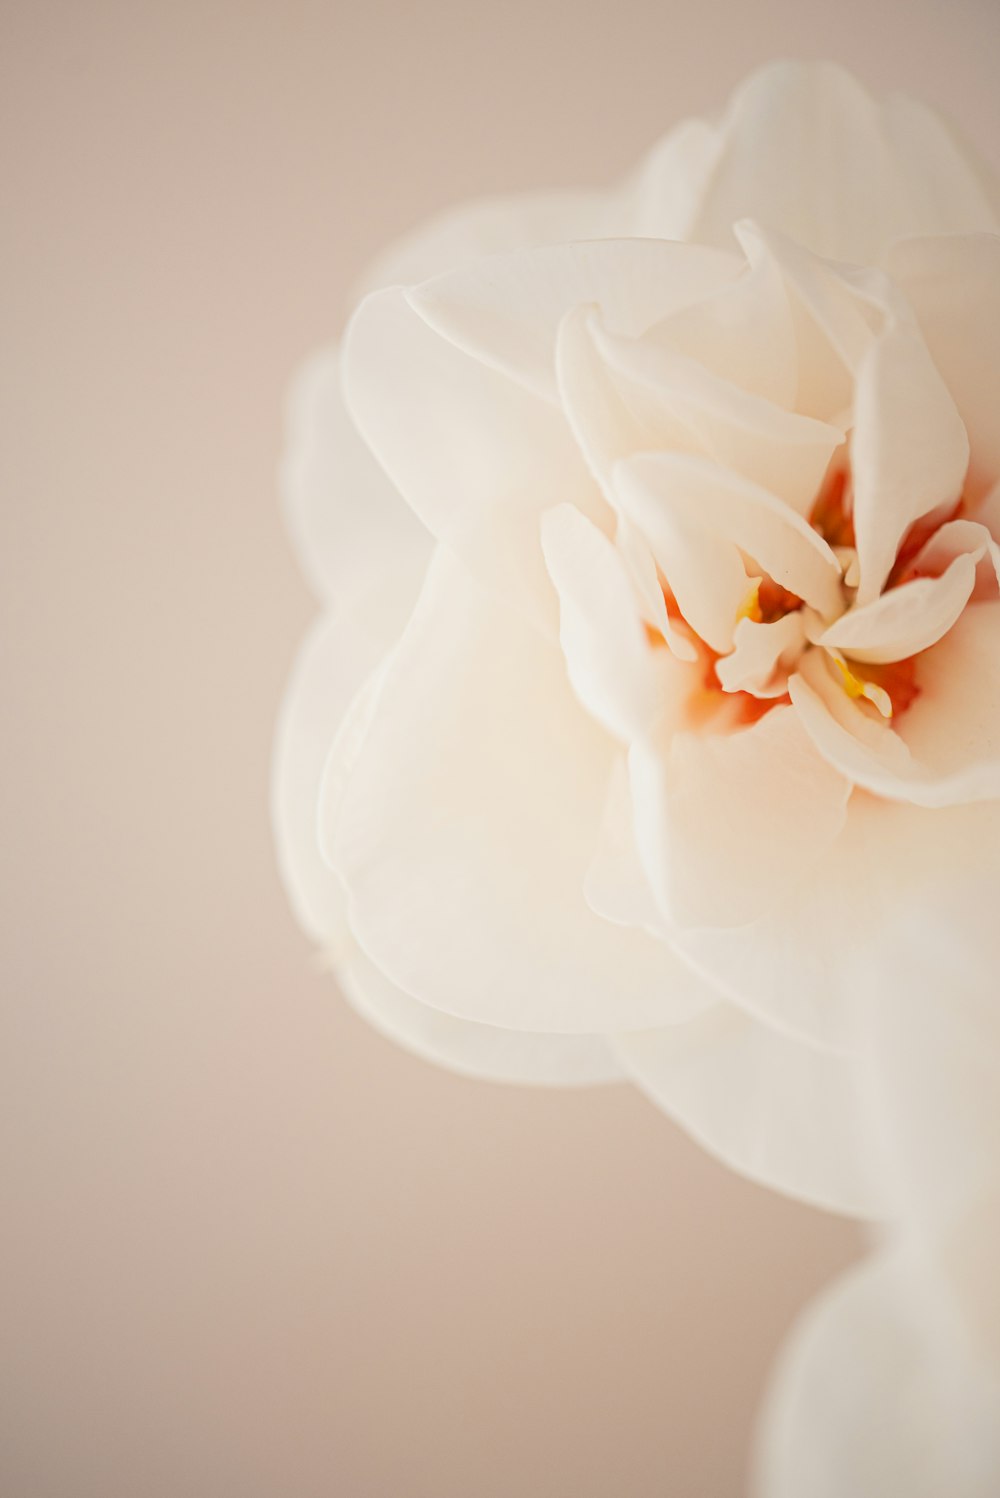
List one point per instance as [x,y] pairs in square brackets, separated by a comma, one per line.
[660,664]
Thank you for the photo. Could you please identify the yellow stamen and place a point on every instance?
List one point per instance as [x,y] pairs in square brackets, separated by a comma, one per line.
[856,686]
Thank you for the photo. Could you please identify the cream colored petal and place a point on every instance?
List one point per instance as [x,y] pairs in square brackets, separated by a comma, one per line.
[480,1051]
[910,450]
[616,886]
[337,658]
[953,285]
[809,152]
[466,830]
[655,487]
[349,524]
[782,1113]
[945,748]
[959,538]
[760,656]
[776,449]
[727,825]
[616,673]
[877,1395]
[906,619]
[505,311]
[475,454]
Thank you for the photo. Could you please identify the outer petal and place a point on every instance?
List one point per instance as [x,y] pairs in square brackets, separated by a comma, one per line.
[878,1396]
[481,1051]
[809,152]
[475,454]
[505,311]
[729,825]
[953,285]
[466,830]
[349,524]
[780,1112]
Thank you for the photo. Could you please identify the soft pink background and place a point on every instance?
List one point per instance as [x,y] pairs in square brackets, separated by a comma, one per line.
[249,1249]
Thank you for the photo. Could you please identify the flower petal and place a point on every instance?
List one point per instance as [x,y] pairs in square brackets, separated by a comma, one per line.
[613,669]
[505,311]
[905,619]
[657,489]
[480,1051]
[728,824]
[350,526]
[876,1394]
[945,748]
[780,1112]
[910,450]
[466,829]
[953,285]
[756,661]
[809,152]
[774,448]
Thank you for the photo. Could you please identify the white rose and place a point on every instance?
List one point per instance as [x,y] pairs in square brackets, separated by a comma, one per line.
[659,665]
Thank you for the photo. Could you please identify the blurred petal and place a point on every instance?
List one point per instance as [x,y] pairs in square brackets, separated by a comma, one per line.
[349,524]
[876,1395]
[468,825]
[782,1113]
[729,824]
[505,311]
[475,454]
[480,1051]
[953,285]
[809,152]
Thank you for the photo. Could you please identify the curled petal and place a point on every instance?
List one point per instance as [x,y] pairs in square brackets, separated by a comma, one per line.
[946,748]
[614,670]
[910,449]
[758,654]
[906,619]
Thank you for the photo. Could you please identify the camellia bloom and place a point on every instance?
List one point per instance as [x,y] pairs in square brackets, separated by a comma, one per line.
[656,533]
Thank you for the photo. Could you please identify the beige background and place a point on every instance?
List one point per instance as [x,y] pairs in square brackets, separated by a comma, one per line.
[248,1248]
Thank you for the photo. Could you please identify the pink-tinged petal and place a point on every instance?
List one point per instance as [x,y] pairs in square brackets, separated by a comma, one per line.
[953,285]
[761,655]
[658,490]
[467,827]
[614,670]
[779,450]
[475,454]
[910,450]
[505,311]
[905,619]
[728,824]
[782,1113]
[349,524]
[480,1051]
[878,1395]
[809,152]
[945,749]
[958,538]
